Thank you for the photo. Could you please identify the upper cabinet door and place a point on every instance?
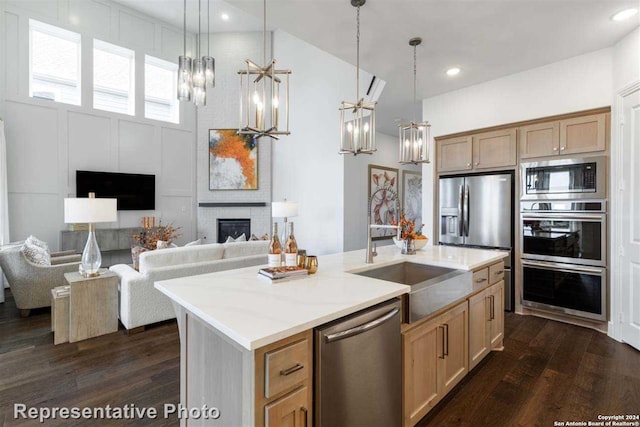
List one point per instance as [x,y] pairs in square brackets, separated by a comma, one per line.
[539,140]
[583,134]
[495,149]
[455,154]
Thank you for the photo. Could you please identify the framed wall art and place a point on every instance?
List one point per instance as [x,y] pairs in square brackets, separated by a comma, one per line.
[233,160]
[412,196]
[383,193]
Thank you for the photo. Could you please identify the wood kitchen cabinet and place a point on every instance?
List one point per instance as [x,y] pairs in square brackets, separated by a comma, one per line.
[571,136]
[495,149]
[455,154]
[487,150]
[486,322]
[435,359]
[283,382]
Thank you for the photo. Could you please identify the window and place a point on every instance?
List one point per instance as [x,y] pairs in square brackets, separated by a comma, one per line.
[113,78]
[160,92]
[54,69]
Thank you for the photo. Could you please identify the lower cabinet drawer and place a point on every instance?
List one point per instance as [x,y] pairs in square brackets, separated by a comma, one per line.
[286,368]
[496,272]
[481,278]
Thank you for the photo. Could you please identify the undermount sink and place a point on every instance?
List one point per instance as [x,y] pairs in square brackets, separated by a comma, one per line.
[431,287]
[406,273]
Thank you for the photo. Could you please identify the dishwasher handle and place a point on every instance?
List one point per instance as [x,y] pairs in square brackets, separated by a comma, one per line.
[361,328]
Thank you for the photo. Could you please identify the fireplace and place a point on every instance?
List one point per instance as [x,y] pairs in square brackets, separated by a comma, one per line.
[234,228]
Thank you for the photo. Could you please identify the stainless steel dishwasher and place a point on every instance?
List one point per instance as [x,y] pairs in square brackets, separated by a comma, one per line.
[358,372]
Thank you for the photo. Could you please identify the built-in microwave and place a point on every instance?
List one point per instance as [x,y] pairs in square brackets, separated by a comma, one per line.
[564,179]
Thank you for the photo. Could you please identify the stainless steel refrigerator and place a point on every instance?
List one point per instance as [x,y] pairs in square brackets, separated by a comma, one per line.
[478,211]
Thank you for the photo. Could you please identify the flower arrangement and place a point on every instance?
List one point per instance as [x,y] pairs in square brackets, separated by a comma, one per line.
[408,228]
[149,237]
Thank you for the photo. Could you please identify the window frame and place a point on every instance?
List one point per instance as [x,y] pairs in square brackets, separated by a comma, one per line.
[120,51]
[61,33]
[173,68]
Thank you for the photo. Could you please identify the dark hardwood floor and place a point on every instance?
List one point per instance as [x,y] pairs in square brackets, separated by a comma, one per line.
[548,372]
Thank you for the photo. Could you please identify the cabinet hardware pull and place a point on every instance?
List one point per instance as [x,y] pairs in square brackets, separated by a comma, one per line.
[477,163]
[555,148]
[493,312]
[446,351]
[484,279]
[291,370]
[442,357]
[562,148]
[468,164]
[499,272]
[304,411]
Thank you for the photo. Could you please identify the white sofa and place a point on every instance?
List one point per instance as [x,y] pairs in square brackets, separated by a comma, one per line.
[141,304]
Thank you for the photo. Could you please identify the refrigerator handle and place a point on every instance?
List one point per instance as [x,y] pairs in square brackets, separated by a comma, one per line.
[466,210]
[460,211]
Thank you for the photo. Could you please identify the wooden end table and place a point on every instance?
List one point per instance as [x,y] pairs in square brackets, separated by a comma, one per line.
[93,306]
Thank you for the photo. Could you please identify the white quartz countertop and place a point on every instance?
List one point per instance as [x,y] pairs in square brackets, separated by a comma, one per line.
[254,313]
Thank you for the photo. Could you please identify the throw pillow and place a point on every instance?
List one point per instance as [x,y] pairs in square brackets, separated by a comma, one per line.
[36,255]
[254,238]
[33,240]
[194,243]
[266,237]
[241,238]
[164,245]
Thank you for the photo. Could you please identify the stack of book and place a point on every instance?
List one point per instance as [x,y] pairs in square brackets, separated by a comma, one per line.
[282,274]
[62,291]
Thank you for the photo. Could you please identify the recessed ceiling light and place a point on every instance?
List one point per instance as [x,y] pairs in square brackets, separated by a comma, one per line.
[224,17]
[624,14]
[453,71]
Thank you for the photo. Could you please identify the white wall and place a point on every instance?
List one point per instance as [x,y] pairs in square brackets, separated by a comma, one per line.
[575,84]
[47,141]
[223,103]
[306,165]
[626,72]
[356,175]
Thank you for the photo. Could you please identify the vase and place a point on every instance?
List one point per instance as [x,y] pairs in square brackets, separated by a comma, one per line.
[408,247]
[135,255]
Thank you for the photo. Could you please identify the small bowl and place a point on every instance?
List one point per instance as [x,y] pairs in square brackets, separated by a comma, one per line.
[418,243]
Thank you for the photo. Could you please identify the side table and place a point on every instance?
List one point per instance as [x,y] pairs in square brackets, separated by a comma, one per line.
[93,305]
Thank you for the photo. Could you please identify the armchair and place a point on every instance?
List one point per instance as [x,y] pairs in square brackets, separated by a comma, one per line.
[31,283]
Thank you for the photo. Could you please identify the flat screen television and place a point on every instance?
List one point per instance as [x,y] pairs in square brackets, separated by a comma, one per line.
[135,192]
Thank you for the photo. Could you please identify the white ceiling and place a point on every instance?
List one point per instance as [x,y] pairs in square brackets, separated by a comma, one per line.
[486,39]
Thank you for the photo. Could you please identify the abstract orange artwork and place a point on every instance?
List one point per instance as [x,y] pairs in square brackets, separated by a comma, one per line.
[233,160]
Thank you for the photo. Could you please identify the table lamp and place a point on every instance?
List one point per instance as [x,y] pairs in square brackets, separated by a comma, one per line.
[284,209]
[91,211]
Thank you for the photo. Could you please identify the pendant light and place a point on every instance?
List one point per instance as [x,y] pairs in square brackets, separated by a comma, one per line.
[264,95]
[414,137]
[185,83]
[199,79]
[357,120]
[209,61]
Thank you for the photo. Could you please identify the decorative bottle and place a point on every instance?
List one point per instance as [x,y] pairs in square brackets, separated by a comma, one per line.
[275,248]
[291,249]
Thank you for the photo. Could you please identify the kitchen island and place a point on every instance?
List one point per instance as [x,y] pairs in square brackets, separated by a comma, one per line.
[229,321]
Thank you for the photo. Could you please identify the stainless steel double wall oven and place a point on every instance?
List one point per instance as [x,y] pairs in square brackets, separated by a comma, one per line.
[564,236]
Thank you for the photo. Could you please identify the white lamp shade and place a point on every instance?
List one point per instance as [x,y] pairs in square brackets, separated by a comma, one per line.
[89,210]
[284,209]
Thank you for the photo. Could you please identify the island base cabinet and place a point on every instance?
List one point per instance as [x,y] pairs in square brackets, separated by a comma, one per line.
[486,322]
[435,359]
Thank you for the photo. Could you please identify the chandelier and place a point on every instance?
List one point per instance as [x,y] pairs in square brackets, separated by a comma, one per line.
[264,95]
[194,75]
[357,119]
[414,136]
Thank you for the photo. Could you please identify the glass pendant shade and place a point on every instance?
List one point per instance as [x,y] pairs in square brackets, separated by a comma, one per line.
[357,128]
[210,70]
[185,83]
[264,100]
[414,142]
[199,83]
